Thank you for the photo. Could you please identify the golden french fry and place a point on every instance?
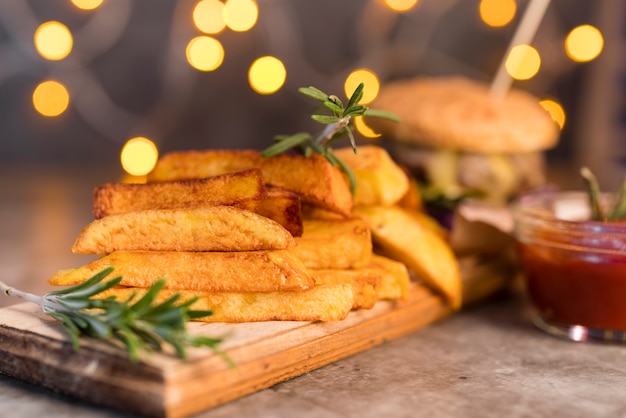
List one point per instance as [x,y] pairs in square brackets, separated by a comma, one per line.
[244,189]
[395,278]
[334,244]
[241,271]
[283,206]
[320,303]
[313,178]
[402,237]
[186,165]
[213,228]
[365,283]
[315,212]
[379,180]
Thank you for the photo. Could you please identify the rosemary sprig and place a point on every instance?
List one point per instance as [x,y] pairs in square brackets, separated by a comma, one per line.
[140,324]
[339,123]
[618,209]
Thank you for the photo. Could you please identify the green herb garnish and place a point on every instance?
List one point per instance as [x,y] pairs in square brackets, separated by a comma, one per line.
[618,208]
[139,324]
[339,123]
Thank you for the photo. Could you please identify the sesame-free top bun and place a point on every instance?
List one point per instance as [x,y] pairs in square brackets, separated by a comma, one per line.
[458,113]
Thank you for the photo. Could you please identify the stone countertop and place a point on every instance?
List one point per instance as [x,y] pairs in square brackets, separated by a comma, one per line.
[487,361]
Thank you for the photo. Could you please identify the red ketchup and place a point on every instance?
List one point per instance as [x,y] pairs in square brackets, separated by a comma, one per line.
[575,270]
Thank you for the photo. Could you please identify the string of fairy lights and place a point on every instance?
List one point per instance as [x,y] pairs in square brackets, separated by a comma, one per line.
[54,42]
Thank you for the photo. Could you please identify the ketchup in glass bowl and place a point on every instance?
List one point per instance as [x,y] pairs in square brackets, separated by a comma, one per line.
[574,264]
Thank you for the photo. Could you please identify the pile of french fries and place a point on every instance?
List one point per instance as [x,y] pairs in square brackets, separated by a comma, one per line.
[277,238]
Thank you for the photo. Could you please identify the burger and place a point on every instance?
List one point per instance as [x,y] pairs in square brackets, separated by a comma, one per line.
[461,143]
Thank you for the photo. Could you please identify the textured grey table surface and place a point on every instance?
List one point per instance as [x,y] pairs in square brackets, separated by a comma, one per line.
[488,361]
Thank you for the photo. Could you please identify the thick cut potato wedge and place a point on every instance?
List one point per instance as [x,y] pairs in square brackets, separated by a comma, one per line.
[395,278]
[320,303]
[213,228]
[316,212]
[334,244]
[243,271]
[365,283]
[379,180]
[400,236]
[186,165]
[313,178]
[284,207]
[244,189]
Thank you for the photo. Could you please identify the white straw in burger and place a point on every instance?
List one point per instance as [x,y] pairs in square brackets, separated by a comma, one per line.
[524,34]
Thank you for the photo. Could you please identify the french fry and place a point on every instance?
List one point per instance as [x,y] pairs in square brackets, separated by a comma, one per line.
[334,244]
[395,278]
[320,303]
[315,212]
[244,189]
[187,165]
[380,181]
[313,178]
[401,236]
[242,271]
[283,206]
[365,283]
[213,228]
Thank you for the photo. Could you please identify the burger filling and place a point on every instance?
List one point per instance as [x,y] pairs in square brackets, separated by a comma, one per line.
[447,176]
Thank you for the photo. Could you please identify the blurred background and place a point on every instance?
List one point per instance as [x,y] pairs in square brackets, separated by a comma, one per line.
[80,78]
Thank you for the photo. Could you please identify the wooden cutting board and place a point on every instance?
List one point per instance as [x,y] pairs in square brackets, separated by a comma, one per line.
[34,348]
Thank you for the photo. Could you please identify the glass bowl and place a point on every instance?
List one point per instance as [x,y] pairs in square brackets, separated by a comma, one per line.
[574,269]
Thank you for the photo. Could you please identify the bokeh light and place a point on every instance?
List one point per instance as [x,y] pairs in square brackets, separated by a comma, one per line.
[51,98]
[363,129]
[267,75]
[53,40]
[523,62]
[208,16]
[555,110]
[584,43]
[87,4]
[368,78]
[240,15]
[205,53]
[401,6]
[139,156]
[497,13]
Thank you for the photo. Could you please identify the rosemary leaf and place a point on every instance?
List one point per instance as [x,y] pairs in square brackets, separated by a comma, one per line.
[313,93]
[619,206]
[594,194]
[338,124]
[140,325]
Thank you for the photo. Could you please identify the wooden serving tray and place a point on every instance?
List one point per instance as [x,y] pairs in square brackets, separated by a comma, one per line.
[35,349]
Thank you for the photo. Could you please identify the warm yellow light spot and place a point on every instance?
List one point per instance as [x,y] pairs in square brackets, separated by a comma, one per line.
[368,78]
[139,156]
[267,75]
[205,53]
[401,5]
[497,13]
[363,129]
[584,43]
[523,62]
[240,15]
[51,98]
[208,16]
[555,110]
[53,40]
[87,4]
